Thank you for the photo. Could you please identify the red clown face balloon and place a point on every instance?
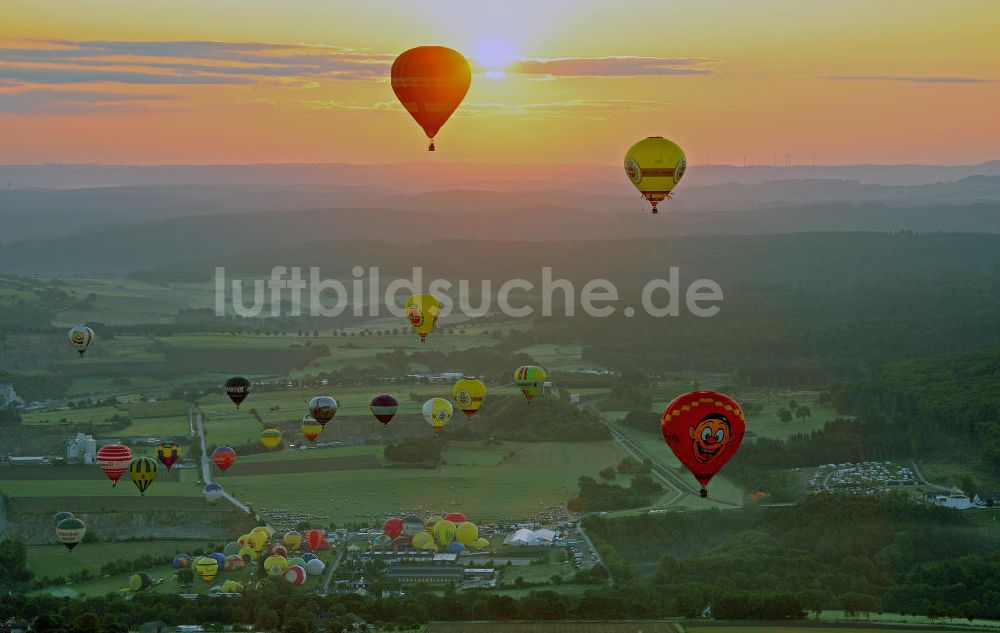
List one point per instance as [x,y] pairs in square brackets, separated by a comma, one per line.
[703,429]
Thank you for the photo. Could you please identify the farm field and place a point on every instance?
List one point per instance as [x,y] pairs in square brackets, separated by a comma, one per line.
[48,561]
[487,483]
[660,626]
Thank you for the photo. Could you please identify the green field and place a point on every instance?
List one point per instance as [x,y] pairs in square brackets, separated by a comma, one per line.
[660,626]
[484,482]
[47,561]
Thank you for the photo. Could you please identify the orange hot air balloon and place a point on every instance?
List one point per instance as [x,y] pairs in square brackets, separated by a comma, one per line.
[430,82]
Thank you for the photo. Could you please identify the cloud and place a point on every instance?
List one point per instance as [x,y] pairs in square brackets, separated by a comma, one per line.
[918,79]
[617,66]
[75,101]
[184,62]
[591,109]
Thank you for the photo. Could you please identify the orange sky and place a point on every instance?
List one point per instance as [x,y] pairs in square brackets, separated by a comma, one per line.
[243,81]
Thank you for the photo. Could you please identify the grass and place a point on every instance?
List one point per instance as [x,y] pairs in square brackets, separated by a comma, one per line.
[483,483]
[47,561]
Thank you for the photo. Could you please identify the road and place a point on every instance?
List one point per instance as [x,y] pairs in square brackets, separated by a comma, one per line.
[195,418]
[923,480]
[332,569]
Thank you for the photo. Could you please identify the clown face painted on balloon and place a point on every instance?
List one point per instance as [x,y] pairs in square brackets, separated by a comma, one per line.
[710,437]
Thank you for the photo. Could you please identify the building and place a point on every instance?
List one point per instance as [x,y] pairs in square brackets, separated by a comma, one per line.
[524,536]
[29,461]
[82,449]
[410,574]
[953,500]
[9,397]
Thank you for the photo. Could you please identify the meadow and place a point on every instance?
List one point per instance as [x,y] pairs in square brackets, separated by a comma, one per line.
[48,561]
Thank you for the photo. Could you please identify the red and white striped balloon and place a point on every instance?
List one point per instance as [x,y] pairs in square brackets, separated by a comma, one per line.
[295,575]
[114,460]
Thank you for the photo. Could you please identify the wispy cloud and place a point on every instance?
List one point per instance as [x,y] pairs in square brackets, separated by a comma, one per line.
[75,101]
[915,79]
[595,109]
[183,62]
[617,66]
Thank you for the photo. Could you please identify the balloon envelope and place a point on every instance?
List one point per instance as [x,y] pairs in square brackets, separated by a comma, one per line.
[168,453]
[323,408]
[181,561]
[444,532]
[437,412]
[467,533]
[70,532]
[703,429]
[270,438]
[468,394]
[311,428]
[422,311]
[384,407]
[223,457]
[393,526]
[142,471]
[292,539]
[212,493]
[296,575]
[140,581]
[114,460]
[206,568]
[430,82]
[655,165]
[237,388]
[530,379]
[315,567]
[81,338]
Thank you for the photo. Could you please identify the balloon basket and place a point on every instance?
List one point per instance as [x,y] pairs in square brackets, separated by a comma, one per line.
[703,493]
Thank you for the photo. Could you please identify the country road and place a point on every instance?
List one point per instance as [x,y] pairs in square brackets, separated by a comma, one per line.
[332,569]
[195,417]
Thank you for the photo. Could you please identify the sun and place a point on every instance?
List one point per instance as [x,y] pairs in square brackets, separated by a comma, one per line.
[494,55]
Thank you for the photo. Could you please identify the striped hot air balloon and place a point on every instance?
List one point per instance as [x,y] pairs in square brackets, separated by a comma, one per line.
[206,568]
[295,575]
[384,407]
[114,460]
[311,428]
[530,380]
[168,453]
[142,470]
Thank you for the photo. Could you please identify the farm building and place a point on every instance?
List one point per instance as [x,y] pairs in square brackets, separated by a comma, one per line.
[82,448]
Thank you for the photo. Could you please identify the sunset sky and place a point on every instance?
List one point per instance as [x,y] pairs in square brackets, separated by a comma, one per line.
[246,81]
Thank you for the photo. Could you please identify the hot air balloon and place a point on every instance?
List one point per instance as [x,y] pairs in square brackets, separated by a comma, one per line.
[423,540]
[315,567]
[295,575]
[292,539]
[233,562]
[212,493]
[81,337]
[114,460]
[430,82]
[231,548]
[168,453]
[467,533]
[142,470]
[383,540]
[231,586]
[59,516]
[454,547]
[308,556]
[422,311]
[655,166]
[444,532]
[237,388]
[181,561]
[70,532]
[311,428]
[480,543]
[275,565]
[384,408]
[277,550]
[247,554]
[314,539]
[323,408]
[437,412]
[703,429]
[456,517]
[469,393]
[393,526]
[270,438]
[297,560]
[530,380]
[223,457]
[206,568]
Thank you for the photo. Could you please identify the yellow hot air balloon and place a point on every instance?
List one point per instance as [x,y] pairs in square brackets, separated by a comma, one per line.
[530,380]
[142,470]
[655,165]
[467,533]
[469,393]
[437,412]
[247,553]
[275,565]
[444,532]
[270,438]
[231,586]
[206,568]
[422,311]
[480,543]
[256,541]
[293,539]
[423,540]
